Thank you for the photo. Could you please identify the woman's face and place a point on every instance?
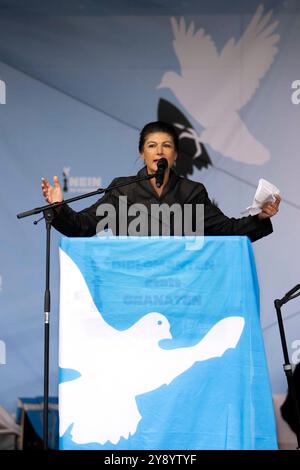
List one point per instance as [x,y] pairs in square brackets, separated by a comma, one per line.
[158,145]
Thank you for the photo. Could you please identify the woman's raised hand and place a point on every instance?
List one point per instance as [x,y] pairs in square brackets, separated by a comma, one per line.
[52,193]
[269,209]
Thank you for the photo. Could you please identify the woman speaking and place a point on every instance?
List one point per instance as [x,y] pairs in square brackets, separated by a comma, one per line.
[158,148]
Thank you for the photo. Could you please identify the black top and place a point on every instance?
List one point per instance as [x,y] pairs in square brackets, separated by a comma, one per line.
[287,409]
[178,190]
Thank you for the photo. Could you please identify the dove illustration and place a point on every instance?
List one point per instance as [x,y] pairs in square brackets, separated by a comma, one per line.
[213,87]
[117,366]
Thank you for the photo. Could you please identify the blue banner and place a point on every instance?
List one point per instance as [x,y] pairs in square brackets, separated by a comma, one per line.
[161,346]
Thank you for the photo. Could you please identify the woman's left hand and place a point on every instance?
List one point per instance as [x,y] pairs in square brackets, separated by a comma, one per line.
[270,208]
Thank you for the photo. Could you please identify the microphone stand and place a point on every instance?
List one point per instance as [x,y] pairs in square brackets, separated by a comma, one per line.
[287,367]
[49,214]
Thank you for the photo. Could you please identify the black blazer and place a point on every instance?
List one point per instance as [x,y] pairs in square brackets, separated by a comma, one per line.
[287,408]
[179,190]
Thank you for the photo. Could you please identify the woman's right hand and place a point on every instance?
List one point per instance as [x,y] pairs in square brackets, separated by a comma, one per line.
[52,193]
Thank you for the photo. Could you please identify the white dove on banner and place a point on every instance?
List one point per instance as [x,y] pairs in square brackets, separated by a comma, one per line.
[214,86]
[116,366]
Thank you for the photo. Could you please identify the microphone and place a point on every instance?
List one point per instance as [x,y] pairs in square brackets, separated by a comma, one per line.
[162,165]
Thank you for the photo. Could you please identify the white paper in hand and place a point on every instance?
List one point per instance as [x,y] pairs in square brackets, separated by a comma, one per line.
[264,193]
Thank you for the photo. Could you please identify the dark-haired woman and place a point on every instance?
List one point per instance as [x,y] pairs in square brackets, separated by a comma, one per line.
[157,140]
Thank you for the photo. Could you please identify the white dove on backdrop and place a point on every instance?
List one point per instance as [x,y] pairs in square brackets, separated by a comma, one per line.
[117,366]
[214,86]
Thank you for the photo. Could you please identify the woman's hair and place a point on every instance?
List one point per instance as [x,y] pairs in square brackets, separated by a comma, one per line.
[158,126]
